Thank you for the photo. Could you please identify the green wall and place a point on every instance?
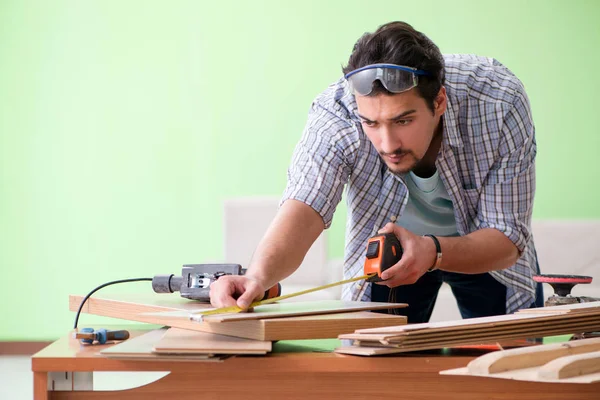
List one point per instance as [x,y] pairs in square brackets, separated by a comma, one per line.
[125,124]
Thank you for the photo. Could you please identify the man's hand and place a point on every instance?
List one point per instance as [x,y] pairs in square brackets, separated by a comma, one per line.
[418,256]
[235,290]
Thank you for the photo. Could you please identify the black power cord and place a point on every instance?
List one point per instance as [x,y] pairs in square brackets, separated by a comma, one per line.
[100,287]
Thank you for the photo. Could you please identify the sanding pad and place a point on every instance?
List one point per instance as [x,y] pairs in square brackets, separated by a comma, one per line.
[575,279]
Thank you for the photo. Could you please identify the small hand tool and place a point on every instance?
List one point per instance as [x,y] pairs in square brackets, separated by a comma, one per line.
[101,336]
[383,251]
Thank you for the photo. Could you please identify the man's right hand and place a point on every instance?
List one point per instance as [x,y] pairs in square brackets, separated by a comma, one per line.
[235,290]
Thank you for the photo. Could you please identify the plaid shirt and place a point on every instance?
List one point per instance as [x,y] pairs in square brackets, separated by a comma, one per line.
[486,161]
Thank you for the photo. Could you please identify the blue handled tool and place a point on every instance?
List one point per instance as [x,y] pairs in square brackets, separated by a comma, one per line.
[89,335]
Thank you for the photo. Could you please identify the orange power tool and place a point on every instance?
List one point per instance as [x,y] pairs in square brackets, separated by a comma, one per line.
[383,251]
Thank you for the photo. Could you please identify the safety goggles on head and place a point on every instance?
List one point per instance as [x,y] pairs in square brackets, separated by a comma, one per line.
[395,78]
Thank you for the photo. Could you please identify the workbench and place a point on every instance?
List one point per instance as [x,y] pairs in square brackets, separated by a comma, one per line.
[290,372]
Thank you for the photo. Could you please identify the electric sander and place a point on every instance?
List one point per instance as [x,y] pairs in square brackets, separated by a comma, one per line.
[562,285]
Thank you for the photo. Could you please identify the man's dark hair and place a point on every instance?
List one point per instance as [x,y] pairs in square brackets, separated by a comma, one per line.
[399,43]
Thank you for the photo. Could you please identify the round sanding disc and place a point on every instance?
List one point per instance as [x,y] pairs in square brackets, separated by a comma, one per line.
[562,278]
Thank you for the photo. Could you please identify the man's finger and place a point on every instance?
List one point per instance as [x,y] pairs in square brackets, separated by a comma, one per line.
[222,292]
[252,292]
[399,268]
[223,300]
[388,228]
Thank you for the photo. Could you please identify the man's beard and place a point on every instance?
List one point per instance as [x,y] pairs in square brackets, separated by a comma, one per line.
[395,168]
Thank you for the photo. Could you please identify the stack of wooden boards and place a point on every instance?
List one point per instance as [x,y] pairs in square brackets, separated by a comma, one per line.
[530,323]
[571,362]
[184,345]
[282,321]
[224,334]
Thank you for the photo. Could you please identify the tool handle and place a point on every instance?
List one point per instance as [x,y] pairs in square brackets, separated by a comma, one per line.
[89,335]
[274,291]
[117,335]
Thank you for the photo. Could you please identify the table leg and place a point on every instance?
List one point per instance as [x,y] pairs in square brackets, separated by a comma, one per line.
[40,385]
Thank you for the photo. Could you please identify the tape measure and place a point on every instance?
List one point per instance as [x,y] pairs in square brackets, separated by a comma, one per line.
[197,316]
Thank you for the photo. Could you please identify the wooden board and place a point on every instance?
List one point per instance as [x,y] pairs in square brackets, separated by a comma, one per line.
[140,308]
[530,356]
[543,314]
[300,308]
[283,310]
[306,327]
[584,318]
[591,322]
[375,348]
[571,366]
[142,348]
[485,336]
[565,308]
[456,325]
[182,341]
[570,362]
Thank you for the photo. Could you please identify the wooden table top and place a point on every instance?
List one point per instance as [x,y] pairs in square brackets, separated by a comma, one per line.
[307,375]
[67,354]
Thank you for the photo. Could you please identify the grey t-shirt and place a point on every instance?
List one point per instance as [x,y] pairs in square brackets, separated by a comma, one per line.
[429,208]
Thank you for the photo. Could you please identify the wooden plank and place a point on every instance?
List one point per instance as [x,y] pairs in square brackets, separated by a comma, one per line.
[591,323]
[133,307]
[181,341]
[462,324]
[570,366]
[523,316]
[486,335]
[471,339]
[376,348]
[142,348]
[528,375]
[306,327]
[566,308]
[569,362]
[479,328]
[577,318]
[530,356]
[399,339]
[136,308]
[300,308]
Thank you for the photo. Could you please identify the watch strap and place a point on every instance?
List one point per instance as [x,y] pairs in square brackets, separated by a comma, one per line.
[438,250]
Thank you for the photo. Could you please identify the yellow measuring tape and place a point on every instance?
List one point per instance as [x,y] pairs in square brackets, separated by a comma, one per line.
[197,316]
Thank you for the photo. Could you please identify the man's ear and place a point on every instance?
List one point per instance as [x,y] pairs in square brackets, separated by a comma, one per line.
[441,102]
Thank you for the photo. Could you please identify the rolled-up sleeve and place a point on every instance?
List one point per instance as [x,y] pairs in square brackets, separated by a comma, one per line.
[506,200]
[319,170]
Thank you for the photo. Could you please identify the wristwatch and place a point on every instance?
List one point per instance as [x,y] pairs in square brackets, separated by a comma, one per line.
[438,257]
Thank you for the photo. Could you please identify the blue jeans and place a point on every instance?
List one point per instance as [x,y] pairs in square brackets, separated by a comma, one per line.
[477,295]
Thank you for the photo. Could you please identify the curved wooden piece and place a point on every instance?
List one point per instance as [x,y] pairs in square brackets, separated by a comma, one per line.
[528,357]
[570,366]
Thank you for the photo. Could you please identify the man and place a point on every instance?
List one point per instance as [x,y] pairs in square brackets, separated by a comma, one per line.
[442,149]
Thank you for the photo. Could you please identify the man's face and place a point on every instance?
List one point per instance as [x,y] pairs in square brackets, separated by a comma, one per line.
[400,126]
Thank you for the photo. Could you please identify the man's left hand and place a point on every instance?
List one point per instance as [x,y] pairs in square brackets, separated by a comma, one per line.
[418,256]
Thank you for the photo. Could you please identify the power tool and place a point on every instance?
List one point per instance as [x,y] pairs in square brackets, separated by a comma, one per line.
[562,285]
[195,280]
[383,251]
